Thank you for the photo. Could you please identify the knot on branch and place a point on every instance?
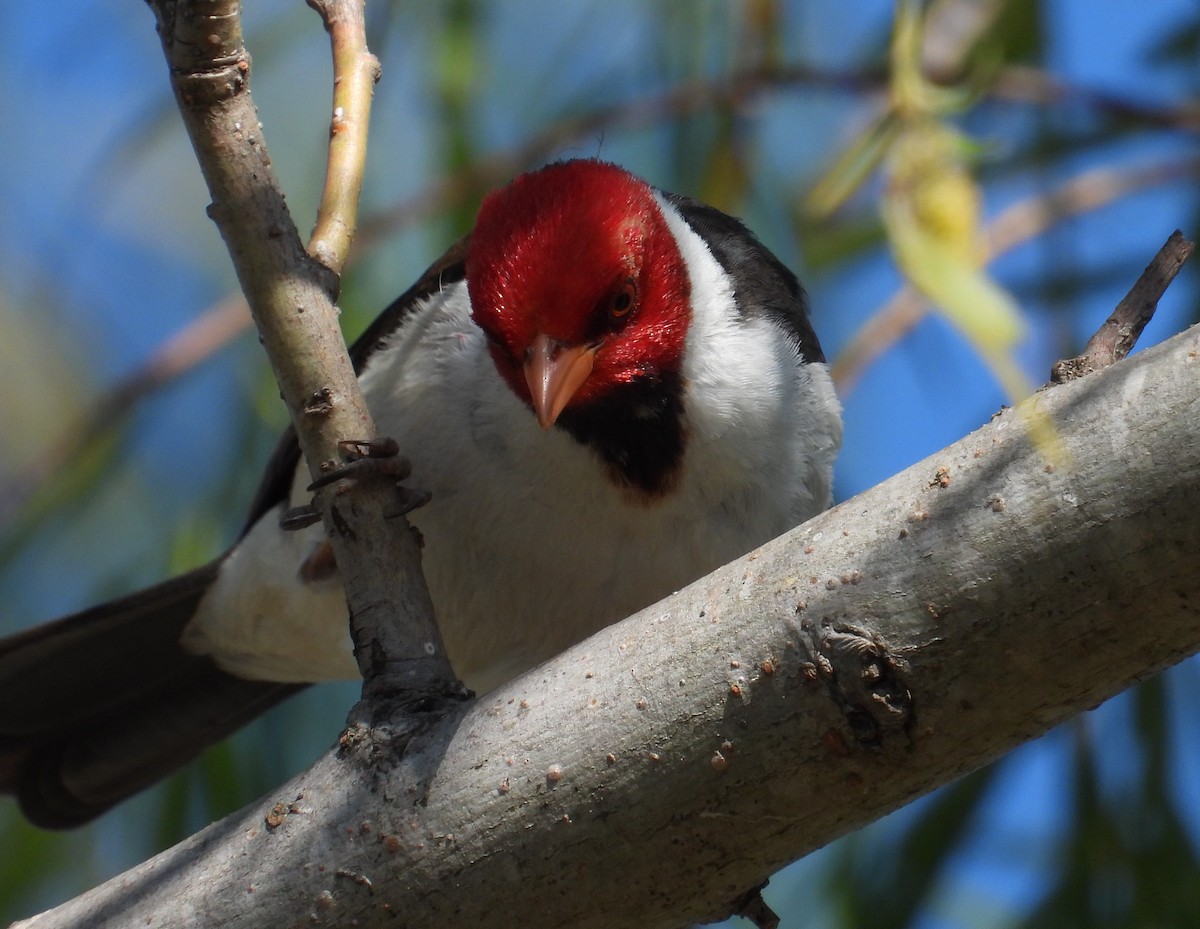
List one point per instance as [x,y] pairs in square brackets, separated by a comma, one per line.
[199,90]
[865,680]
[379,729]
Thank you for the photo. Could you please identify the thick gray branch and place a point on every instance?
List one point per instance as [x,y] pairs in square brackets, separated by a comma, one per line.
[651,775]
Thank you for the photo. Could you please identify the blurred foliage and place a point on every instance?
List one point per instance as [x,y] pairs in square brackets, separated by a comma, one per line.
[1129,860]
[761,107]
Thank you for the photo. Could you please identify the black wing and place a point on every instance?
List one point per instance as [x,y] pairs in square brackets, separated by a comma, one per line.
[762,283]
[97,706]
[276,482]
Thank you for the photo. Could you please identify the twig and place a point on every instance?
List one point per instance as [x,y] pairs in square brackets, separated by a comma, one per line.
[1083,193]
[675,103]
[355,73]
[196,342]
[741,90]
[1119,333]
[951,29]
[1022,84]
[754,908]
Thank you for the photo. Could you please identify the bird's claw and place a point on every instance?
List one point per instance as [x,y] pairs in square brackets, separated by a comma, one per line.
[361,457]
[299,517]
[409,500]
[357,449]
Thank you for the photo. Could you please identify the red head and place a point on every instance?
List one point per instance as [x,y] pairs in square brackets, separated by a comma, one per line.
[578,283]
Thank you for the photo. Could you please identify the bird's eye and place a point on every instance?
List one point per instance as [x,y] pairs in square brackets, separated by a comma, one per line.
[624,299]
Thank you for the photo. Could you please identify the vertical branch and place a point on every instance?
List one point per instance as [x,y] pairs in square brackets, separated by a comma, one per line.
[291,298]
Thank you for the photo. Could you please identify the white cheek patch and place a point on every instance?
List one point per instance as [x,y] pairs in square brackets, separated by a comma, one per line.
[731,358]
[754,408]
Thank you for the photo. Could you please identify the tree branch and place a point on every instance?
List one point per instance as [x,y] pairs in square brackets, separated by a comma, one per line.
[1119,333]
[1024,84]
[201,338]
[355,73]
[290,296]
[884,648]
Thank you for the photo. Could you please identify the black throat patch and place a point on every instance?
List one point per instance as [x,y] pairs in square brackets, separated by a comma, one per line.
[638,430]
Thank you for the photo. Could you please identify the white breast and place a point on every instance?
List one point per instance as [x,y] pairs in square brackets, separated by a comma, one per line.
[529,547]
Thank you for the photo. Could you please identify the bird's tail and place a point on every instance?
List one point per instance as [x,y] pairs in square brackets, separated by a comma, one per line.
[99,705]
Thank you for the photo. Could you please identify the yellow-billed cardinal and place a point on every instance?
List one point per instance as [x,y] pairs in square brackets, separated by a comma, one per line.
[609,391]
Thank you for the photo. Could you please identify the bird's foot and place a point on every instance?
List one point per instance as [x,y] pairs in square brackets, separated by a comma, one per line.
[362,457]
[295,518]
[410,499]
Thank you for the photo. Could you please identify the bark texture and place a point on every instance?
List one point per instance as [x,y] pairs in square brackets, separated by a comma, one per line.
[397,642]
[654,773]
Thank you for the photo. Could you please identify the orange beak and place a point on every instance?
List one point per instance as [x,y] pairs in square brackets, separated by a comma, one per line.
[554,372]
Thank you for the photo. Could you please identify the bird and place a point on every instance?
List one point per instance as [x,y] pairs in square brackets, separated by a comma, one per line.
[607,390]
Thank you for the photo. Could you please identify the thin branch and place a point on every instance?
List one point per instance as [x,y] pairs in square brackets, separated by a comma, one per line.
[755,909]
[199,340]
[952,28]
[678,102]
[397,640]
[1084,193]
[1119,333]
[355,73]
[740,90]
[1023,84]
[1019,223]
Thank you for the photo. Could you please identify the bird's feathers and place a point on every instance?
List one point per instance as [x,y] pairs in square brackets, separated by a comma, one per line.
[530,545]
[706,426]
